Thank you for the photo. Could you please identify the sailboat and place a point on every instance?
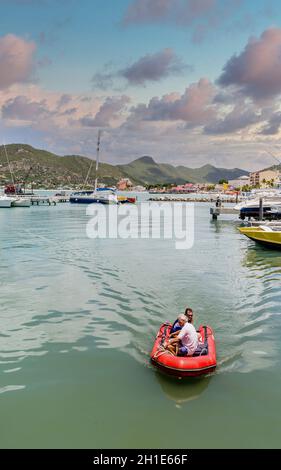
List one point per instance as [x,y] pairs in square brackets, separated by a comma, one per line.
[99,195]
[13,194]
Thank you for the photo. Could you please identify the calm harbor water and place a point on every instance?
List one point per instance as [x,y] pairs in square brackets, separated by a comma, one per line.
[78,319]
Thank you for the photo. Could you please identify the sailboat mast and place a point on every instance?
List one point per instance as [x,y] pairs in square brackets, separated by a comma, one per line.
[9,165]
[97,160]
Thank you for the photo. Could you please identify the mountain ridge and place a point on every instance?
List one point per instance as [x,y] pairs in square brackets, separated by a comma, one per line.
[150,172]
[46,169]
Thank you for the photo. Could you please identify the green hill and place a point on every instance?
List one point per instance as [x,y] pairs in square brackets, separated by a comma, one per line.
[148,171]
[45,169]
[49,170]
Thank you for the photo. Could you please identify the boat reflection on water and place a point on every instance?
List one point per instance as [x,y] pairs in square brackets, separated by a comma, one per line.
[228,225]
[260,257]
[182,391]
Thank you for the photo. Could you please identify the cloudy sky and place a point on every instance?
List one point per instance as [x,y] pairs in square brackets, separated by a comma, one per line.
[186,81]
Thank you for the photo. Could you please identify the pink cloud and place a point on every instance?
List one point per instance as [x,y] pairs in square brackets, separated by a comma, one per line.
[179,11]
[29,102]
[149,68]
[193,107]
[63,100]
[153,67]
[256,72]
[240,117]
[201,16]
[141,11]
[191,10]
[16,60]
[109,111]
[273,125]
[21,108]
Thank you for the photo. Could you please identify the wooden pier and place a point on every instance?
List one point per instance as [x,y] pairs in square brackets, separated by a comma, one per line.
[189,199]
[220,209]
[51,201]
[40,200]
[216,211]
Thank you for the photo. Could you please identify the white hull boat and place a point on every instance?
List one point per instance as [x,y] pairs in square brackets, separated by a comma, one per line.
[5,201]
[21,202]
[255,203]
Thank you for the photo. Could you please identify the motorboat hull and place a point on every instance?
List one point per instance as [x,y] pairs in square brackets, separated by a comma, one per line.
[5,202]
[91,200]
[21,202]
[127,200]
[101,196]
[254,212]
[270,239]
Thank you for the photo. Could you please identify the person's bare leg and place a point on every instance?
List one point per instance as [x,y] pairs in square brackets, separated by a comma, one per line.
[172,349]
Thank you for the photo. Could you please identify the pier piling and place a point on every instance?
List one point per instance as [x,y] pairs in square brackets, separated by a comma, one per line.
[261,209]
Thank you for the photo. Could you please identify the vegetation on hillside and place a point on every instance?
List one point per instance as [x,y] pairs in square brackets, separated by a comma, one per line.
[45,169]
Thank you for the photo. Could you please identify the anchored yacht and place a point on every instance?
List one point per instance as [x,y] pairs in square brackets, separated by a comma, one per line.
[99,195]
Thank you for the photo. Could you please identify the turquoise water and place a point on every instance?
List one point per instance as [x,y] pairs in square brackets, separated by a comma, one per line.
[78,319]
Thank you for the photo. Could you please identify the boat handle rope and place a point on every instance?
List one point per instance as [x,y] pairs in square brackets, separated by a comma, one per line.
[206,345]
[161,350]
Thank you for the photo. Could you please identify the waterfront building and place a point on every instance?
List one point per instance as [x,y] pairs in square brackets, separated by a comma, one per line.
[139,189]
[264,178]
[239,182]
[184,188]
[124,184]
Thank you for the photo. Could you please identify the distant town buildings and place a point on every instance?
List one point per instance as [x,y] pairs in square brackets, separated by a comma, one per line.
[139,189]
[124,184]
[264,178]
[184,188]
[239,182]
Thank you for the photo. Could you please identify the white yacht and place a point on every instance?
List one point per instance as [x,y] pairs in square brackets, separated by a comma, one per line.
[5,201]
[250,206]
[21,201]
[100,195]
[254,203]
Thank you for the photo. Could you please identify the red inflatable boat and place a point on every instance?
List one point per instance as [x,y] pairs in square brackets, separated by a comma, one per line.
[190,366]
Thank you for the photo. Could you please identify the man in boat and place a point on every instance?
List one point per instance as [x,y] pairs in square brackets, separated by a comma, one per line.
[190,318]
[176,326]
[186,342]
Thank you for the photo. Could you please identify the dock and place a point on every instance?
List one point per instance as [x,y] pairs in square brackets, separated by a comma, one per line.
[43,200]
[40,200]
[217,211]
[189,199]
[259,215]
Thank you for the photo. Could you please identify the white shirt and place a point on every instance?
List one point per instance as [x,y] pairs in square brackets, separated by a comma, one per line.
[189,338]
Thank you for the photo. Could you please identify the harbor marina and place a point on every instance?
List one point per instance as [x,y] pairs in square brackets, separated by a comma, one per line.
[79,318]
